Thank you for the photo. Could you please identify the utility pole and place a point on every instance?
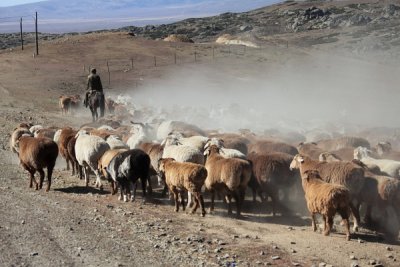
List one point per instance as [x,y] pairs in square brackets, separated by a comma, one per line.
[22,40]
[36,35]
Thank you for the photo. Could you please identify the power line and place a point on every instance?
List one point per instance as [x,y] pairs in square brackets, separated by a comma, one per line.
[17,17]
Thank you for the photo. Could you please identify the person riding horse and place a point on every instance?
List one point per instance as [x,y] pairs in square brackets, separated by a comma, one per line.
[94,86]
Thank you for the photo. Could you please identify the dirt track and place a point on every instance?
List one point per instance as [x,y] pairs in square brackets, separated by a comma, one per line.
[73,226]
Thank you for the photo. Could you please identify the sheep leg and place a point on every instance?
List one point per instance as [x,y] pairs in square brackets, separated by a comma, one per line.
[345,218]
[313,222]
[98,180]
[201,201]
[149,186]
[67,160]
[80,171]
[86,172]
[164,192]
[190,200]
[367,217]
[176,198]
[121,191]
[356,216]
[49,174]
[182,199]
[32,179]
[133,187]
[212,200]
[237,198]
[229,200]
[41,173]
[328,225]
[273,201]
[196,202]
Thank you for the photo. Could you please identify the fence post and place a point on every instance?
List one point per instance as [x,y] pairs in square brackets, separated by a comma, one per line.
[109,75]
[22,39]
[132,63]
[155,61]
[36,35]
[195,56]
[213,51]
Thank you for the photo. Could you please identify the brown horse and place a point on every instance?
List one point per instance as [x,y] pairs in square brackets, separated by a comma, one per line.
[95,101]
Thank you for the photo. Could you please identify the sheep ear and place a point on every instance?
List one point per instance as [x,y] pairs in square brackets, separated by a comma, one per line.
[300,159]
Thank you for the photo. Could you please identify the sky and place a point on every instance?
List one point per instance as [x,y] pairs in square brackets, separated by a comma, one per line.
[16,2]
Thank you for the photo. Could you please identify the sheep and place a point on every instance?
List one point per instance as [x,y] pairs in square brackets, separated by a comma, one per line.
[166,127]
[57,135]
[233,141]
[141,133]
[196,141]
[64,103]
[329,157]
[104,134]
[387,166]
[126,168]
[110,105]
[310,150]
[326,199]
[88,151]
[271,173]
[35,154]
[227,176]
[343,173]
[115,142]
[34,128]
[66,134]
[155,152]
[184,176]
[342,142]
[384,150]
[225,152]
[71,156]
[266,146]
[16,134]
[45,132]
[105,160]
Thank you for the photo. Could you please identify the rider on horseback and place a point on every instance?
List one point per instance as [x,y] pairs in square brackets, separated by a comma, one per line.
[94,85]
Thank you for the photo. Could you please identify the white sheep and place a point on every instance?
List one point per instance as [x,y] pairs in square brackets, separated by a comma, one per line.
[141,133]
[387,166]
[88,151]
[106,127]
[196,141]
[34,128]
[115,142]
[225,152]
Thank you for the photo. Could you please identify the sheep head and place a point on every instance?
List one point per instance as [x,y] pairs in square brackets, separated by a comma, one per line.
[361,152]
[213,149]
[296,162]
[383,147]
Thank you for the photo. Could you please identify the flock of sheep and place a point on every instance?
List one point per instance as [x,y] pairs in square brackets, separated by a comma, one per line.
[338,175]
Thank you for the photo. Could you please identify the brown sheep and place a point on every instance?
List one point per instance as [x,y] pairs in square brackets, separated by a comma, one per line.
[342,142]
[310,150]
[16,134]
[102,133]
[76,168]
[384,150]
[271,173]
[66,134]
[343,173]
[110,105]
[181,176]
[267,146]
[35,154]
[64,103]
[227,176]
[103,164]
[326,199]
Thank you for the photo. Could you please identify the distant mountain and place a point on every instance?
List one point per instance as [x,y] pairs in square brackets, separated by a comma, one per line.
[83,15]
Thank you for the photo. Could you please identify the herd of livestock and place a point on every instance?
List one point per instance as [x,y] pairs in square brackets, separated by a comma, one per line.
[338,175]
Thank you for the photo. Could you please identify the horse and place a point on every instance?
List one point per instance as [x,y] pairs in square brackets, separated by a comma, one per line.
[95,101]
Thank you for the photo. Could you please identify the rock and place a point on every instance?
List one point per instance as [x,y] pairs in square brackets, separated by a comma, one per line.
[275,247]
[258,262]
[23,222]
[245,28]
[352,257]
[293,251]
[295,264]
[217,250]
[292,242]
[235,236]
[34,254]
[360,241]
[322,264]
[389,256]
[389,248]
[168,220]
[156,246]
[354,264]
[275,257]
[372,262]
[262,253]
[222,243]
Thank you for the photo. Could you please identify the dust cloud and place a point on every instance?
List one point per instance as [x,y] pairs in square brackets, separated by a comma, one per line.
[316,91]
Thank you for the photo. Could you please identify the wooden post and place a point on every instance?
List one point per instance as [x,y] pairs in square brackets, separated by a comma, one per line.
[132,63]
[109,75]
[244,52]
[83,68]
[36,34]
[195,56]
[213,50]
[155,61]
[229,50]
[175,55]
[22,39]
[287,44]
